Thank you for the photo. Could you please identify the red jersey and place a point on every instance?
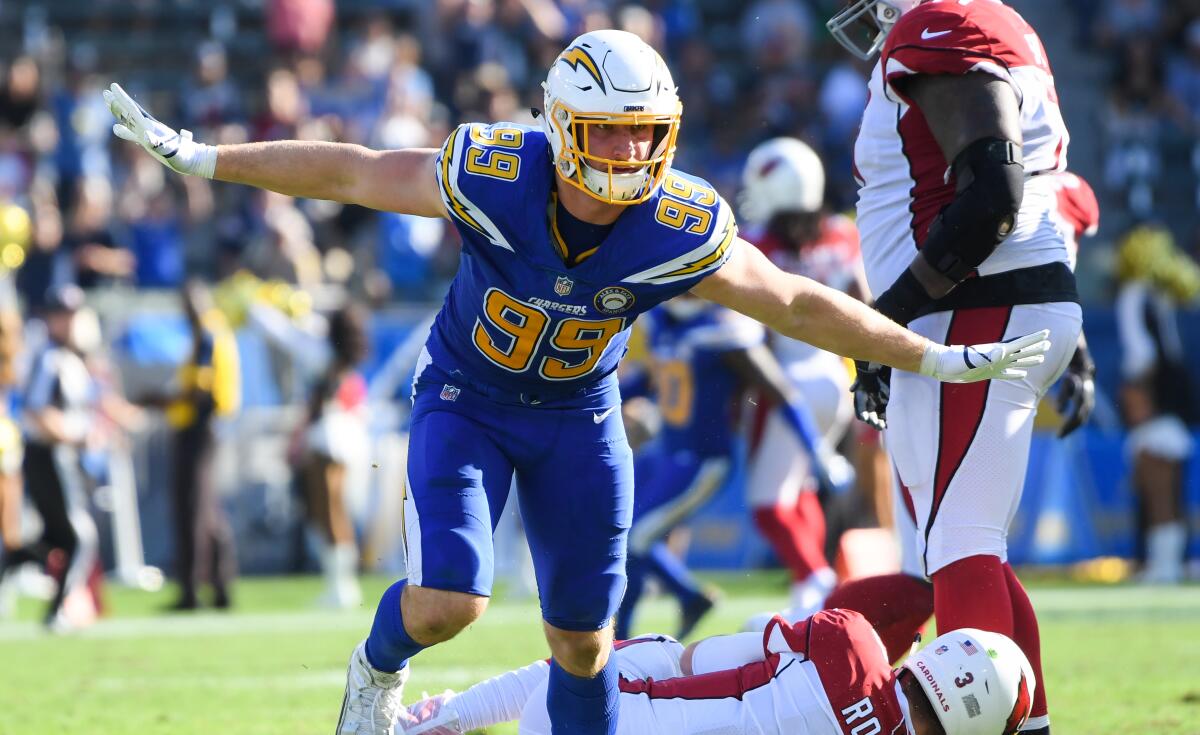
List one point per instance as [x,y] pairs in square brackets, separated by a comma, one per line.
[827,675]
[833,259]
[906,180]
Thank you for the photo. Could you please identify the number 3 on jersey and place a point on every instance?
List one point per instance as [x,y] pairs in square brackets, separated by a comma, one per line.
[524,326]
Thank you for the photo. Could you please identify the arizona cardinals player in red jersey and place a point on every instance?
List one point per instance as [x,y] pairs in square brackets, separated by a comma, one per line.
[957,158]
[782,203]
[899,605]
[825,675]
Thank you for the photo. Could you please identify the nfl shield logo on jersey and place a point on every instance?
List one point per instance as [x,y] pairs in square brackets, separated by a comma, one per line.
[450,392]
[563,285]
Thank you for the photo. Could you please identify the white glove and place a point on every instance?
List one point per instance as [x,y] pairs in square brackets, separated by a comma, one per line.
[174,150]
[431,716]
[1008,360]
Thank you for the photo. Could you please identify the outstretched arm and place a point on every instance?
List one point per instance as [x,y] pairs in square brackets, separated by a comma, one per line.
[804,309]
[397,181]
[488,703]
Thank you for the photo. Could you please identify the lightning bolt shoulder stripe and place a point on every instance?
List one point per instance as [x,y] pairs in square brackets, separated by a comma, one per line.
[460,207]
[702,260]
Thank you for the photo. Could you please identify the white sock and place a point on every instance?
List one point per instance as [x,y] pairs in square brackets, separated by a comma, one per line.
[346,573]
[1165,546]
[499,699]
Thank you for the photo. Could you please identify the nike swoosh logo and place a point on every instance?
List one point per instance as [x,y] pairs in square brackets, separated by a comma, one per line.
[926,35]
[598,417]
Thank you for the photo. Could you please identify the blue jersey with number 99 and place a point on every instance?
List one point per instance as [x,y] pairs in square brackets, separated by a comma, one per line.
[516,317]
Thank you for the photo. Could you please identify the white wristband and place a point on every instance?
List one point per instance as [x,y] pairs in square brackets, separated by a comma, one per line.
[192,157]
[929,360]
[206,160]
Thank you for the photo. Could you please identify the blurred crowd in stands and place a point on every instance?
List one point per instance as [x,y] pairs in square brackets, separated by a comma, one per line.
[395,73]
[399,74]
[1152,119]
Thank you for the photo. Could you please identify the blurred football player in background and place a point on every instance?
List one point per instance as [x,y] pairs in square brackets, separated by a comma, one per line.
[954,212]
[701,359]
[570,230]
[783,199]
[825,675]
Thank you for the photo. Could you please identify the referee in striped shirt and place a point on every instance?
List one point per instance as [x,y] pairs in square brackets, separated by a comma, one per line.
[57,424]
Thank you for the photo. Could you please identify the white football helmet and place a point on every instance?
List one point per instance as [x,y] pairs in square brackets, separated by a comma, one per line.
[863,25]
[781,175]
[978,683]
[610,78]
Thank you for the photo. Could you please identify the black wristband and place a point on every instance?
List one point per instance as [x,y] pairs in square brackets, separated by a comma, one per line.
[903,299]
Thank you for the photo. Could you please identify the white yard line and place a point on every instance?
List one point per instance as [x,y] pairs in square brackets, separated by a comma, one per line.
[304,621]
[1166,602]
[457,676]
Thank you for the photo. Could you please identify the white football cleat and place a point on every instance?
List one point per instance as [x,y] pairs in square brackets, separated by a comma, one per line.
[371,704]
[433,717]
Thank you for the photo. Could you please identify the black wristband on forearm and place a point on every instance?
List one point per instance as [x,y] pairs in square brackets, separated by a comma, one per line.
[904,299]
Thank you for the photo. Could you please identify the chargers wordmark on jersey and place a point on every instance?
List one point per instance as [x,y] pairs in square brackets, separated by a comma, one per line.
[512,319]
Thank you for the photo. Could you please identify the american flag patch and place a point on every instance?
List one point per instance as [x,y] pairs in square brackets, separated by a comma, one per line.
[969,647]
[450,392]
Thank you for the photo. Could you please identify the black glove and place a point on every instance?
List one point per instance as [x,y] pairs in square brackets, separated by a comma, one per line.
[871,390]
[1077,396]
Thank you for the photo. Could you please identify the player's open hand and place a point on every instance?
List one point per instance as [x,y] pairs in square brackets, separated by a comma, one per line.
[175,150]
[1009,360]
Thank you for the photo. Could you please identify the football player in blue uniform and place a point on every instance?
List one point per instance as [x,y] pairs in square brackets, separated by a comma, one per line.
[700,359]
[570,230]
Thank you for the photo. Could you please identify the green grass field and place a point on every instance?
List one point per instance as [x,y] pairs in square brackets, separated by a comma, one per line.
[1120,660]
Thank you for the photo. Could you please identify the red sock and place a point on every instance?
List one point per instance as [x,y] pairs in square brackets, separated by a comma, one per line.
[896,606]
[794,542]
[1025,635]
[973,593]
[812,520]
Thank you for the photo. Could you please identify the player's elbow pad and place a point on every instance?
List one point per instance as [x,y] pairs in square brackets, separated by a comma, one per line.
[991,176]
